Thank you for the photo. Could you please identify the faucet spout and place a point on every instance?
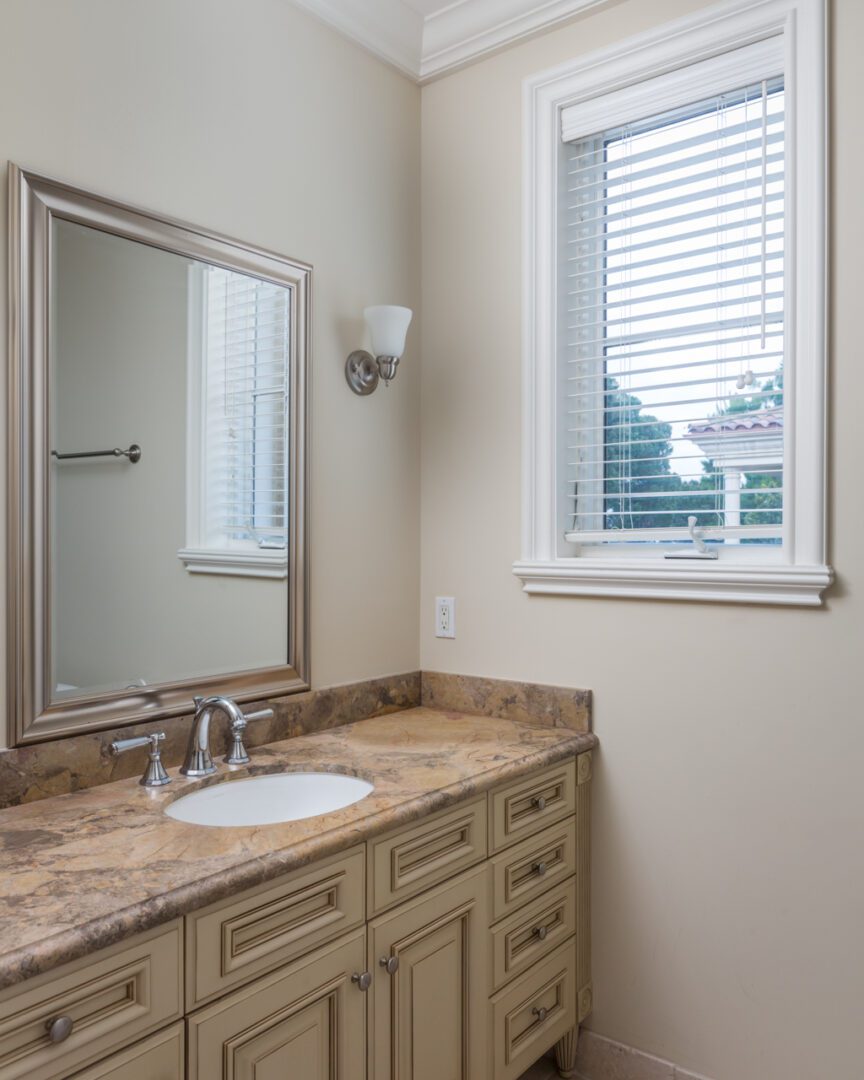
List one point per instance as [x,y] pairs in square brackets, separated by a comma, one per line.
[199,760]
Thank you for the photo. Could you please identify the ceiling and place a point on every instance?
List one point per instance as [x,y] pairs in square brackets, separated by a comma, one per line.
[425,38]
[427,7]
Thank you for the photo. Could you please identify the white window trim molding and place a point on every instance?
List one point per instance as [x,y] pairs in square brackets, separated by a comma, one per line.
[802,575]
[234,563]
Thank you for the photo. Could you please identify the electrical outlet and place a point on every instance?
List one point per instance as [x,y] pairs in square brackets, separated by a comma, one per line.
[445,616]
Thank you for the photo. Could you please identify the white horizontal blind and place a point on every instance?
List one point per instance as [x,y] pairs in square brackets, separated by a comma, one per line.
[671,318]
[247,346]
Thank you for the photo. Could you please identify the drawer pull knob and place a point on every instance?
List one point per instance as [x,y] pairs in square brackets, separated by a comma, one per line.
[540,932]
[539,803]
[390,964]
[60,1028]
[541,1013]
[363,979]
[539,868]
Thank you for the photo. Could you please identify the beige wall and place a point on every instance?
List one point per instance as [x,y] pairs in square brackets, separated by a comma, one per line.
[729,891]
[258,121]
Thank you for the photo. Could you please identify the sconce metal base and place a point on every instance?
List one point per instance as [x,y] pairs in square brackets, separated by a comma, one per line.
[361,371]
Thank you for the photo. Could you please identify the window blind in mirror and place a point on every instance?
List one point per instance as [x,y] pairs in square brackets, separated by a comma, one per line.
[247,345]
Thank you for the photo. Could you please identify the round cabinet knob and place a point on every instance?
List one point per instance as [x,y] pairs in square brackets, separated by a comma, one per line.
[60,1028]
[539,868]
[363,979]
[390,964]
[540,803]
[540,932]
[540,1013]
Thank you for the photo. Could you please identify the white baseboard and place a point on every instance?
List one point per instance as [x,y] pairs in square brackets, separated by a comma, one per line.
[599,1058]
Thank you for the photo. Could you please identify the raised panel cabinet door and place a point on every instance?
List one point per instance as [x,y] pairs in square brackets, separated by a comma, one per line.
[429,995]
[307,1020]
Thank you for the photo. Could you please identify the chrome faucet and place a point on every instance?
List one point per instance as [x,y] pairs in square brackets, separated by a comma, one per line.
[199,761]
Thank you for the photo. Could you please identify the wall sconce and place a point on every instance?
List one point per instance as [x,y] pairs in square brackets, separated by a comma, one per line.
[388,326]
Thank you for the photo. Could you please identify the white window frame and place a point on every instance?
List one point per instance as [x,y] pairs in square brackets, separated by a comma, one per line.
[796,572]
[199,557]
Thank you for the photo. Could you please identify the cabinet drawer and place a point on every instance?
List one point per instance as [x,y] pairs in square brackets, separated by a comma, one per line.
[528,805]
[161,1057]
[533,866]
[233,941]
[533,932]
[112,998]
[306,1020]
[532,1013]
[405,863]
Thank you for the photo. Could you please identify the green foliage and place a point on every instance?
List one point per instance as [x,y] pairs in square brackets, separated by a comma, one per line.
[635,472]
[642,490]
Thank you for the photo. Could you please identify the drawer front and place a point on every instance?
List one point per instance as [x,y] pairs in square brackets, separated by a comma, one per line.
[405,863]
[533,932]
[161,1057]
[112,998]
[528,805]
[233,941]
[528,869]
[531,1014]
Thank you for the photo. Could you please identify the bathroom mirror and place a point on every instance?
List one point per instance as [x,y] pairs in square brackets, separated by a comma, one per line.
[156,465]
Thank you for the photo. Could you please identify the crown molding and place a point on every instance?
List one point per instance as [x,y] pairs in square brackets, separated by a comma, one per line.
[465,31]
[425,48]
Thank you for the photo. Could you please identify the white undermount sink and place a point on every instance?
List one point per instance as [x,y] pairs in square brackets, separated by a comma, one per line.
[267,800]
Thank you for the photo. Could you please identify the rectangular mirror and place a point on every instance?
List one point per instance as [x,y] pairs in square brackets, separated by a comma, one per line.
[157,465]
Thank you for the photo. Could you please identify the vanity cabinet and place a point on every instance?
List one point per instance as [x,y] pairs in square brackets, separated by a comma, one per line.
[457,947]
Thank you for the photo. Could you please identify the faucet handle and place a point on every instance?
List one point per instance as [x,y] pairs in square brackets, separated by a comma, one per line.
[238,754]
[154,774]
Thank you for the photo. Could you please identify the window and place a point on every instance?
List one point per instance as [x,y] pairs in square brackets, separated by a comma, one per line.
[675,357]
[238,389]
[671,339]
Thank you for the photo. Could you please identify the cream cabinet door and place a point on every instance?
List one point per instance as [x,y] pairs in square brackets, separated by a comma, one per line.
[307,1020]
[428,1001]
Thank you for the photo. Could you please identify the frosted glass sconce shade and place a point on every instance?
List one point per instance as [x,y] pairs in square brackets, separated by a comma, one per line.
[388,324]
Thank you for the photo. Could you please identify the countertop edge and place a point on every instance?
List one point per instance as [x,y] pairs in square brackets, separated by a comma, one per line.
[19,965]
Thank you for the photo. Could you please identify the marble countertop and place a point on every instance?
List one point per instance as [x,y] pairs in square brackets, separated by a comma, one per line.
[79,872]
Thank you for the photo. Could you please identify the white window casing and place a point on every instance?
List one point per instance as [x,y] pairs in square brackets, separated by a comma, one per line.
[735,98]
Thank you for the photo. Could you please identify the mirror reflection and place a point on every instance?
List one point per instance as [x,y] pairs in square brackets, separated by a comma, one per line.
[168,472]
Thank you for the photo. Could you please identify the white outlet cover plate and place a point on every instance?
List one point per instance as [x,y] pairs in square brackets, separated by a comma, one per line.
[445,617]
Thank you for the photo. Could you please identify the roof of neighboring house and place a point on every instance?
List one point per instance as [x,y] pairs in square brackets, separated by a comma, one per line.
[767,420]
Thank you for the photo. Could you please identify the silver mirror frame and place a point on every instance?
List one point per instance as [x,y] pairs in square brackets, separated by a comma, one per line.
[34,201]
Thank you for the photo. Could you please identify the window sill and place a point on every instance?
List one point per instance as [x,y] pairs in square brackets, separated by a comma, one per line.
[782,585]
[233,563]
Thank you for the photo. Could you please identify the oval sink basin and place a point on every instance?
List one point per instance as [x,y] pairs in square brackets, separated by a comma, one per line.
[267,800]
